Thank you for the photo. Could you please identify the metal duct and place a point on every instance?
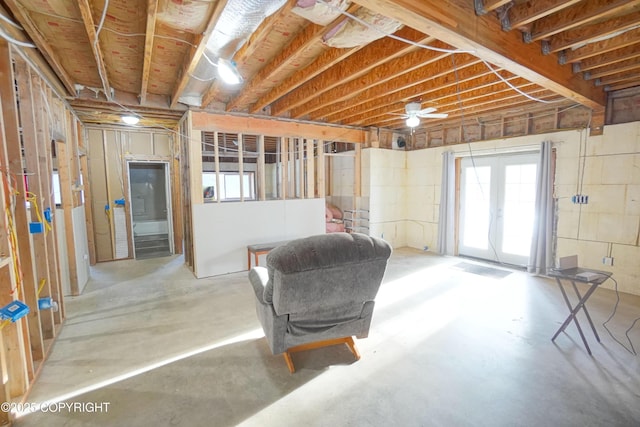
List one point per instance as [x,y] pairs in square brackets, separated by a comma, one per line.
[237,22]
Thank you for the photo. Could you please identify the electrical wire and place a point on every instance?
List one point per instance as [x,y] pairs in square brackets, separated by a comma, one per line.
[10,22]
[95,48]
[392,36]
[515,88]
[631,350]
[17,42]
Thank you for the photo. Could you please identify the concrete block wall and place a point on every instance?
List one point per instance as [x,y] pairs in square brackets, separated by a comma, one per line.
[403,189]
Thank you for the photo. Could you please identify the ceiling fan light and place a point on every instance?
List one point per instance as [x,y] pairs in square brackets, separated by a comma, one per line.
[228,72]
[131,119]
[413,121]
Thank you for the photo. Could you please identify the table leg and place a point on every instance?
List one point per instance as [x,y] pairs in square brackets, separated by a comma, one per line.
[572,316]
[584,307]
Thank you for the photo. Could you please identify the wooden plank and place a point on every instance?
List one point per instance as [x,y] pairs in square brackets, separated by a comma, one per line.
[454,22]
[320,171]
[241,166]
[581,35]
[152,9]
[67,209]
[580,14]
[357,172]
[393,70]
[195,52]
[310,35]
[284,154]
[273,127]
[629,38]
[94,41]
[29,120]
[490,5]
[412,84]
[13,346]
[325,61]
[618,67]
[195,167]
[311,175]
[216,152]
[46,49]
[523,14]
[617,78]
[262,183]
[610,58]
[21,219]
[46,195]
[88,204]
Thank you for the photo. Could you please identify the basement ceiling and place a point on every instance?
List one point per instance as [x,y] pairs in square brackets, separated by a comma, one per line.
[465,58]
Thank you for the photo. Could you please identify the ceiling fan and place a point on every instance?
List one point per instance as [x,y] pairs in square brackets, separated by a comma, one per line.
[414,113]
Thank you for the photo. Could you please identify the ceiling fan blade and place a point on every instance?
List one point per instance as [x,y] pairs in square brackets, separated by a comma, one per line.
[425,111]
[434,116]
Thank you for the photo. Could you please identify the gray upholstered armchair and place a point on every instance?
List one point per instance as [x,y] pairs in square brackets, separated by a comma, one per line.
[319,291]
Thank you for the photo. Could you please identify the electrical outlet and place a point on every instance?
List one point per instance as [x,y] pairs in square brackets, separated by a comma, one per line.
[607,260]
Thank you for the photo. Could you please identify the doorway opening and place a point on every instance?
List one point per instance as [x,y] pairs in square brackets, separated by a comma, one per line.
[150,209]
[497,207]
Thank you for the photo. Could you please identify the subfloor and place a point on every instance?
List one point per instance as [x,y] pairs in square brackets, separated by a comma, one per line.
[147,344]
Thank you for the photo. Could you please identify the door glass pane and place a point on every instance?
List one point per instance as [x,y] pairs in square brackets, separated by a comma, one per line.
[519,208]
[477,207]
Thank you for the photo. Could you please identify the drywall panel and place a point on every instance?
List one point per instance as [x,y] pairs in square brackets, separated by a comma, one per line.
[140,143]
[161,144]
[222,231]
[81,245]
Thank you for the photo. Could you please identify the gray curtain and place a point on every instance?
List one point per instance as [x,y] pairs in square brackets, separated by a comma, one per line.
[540,258]
[447,204]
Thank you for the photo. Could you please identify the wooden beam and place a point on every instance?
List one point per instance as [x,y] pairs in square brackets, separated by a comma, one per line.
[580,14]
[21,219]
[618,67]
[486,6]
[624,85]
[320,170]
[152,13]
[274,127]
[248,47]
[284,155]
[311,173]
[473,88]
[393,71]
[629,38]
[454,22]
[325,61]
[216,160]
[364,62]
[357,173]
[90,28]
[617,78]
[522,14]
[22,15]
[312,34]
[609,58]
[261,169]
[195,52]
[582,35]
[412,84]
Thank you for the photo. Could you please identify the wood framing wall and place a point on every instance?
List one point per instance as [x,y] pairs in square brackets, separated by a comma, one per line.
[109,150]
[38,135]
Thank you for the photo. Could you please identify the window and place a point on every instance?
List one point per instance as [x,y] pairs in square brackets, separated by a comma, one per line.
[229,186]
[56,188]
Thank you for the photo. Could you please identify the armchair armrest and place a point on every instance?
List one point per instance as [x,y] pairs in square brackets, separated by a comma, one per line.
[259,276]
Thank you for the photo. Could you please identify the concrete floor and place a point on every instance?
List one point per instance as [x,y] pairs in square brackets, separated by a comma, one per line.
[446,348]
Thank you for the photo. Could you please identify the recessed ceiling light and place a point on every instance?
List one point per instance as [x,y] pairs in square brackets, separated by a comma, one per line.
[131,119]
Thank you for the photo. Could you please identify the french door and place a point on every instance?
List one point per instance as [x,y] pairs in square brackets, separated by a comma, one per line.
[497,207]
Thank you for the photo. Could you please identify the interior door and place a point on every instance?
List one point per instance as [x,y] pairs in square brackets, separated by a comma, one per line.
[150,209]
[497,207]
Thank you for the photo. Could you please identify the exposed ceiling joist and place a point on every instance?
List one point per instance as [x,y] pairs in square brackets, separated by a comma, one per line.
[43,45]
[586,12]
[152,11]
[598,48]
[94,41]
[523,14]
[454,22]
[195,52]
